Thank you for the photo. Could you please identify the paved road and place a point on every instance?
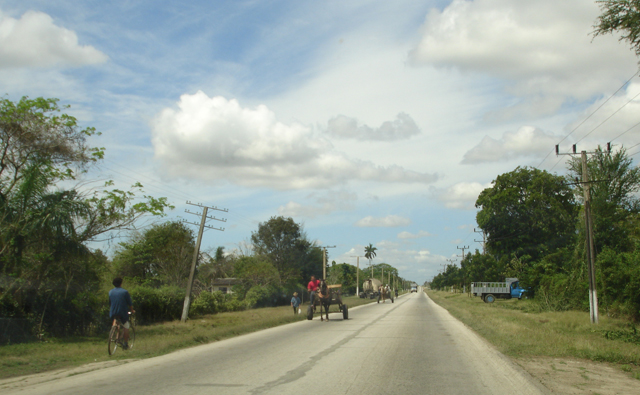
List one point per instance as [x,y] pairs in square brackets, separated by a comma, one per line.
[409,347]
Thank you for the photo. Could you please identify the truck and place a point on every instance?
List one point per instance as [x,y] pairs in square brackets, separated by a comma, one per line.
[370,288]
[489,291]
[414,287]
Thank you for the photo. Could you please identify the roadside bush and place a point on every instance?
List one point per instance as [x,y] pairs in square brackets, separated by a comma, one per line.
[207,303]
[157,304]
[262,296]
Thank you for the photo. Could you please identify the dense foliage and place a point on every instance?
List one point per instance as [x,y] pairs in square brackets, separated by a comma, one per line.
[49,278]
[535,231]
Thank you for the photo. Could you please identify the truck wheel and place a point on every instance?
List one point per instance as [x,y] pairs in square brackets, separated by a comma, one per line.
[310,312]
[489,298]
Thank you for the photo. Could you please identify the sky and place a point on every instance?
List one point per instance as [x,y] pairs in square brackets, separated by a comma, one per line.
[367,122]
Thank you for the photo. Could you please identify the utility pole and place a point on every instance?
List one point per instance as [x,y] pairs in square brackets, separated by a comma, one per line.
[452,261]
[324,261]
[483,241]
[196,252]
[590,251]
[462,248]
[357,273]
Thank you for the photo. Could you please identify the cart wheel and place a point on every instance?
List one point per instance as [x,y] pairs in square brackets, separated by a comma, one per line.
[310,312]
[391,300]
[345,312]
[378,298]
[489,298]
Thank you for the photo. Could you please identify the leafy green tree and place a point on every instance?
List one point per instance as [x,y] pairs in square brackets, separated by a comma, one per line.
[527,212]
[163,254]
[45,264]
[480,267]
[282,241]
[621,16]
[614,184]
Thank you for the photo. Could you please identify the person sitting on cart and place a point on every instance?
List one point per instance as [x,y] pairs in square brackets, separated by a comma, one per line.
[313,287]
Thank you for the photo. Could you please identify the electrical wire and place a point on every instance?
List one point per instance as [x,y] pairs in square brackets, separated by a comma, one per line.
[587,118]
[609,117]
[620,135]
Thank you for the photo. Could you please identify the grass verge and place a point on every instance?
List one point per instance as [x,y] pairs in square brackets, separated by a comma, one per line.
[151,340]
[517,329]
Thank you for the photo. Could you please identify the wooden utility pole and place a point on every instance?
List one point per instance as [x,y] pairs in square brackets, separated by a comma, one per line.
[589,246]
[357,274]
[589,243]
[483,241]
[196,253]
[324,261]
[462,248]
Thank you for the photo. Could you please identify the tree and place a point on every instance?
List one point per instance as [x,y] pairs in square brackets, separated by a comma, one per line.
[527,212]
[620,16]
[282,241]
[162,253]
[370,252]
[47,270]
[614,184]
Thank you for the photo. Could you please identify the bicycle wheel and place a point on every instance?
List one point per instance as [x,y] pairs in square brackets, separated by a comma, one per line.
[113,340]
[132,336]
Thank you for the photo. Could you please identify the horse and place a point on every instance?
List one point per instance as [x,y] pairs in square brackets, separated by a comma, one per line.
[323,299]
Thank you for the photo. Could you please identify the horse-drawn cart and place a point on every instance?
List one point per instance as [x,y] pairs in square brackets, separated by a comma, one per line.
[385,293]
[325,296]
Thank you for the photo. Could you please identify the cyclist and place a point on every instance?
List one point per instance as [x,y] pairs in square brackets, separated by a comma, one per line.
[120,306]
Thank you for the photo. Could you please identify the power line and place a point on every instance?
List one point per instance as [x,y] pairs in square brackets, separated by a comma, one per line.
[615,138]
[609,117]
[587,118]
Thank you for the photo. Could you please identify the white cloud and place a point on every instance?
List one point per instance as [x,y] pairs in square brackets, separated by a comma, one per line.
[324,204]
[215,138]
[385,222]
[35,41]
[347,128]
[528,141]
[543,47]
[409,235]
[462,195]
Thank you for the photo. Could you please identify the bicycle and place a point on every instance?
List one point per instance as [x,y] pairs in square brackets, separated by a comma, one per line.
[116,334]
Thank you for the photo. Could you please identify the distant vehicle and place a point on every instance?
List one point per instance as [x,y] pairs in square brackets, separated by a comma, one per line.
[414,288]
[489,291]
[370,288]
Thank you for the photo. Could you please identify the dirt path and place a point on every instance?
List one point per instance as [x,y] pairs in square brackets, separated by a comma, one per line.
[571,376]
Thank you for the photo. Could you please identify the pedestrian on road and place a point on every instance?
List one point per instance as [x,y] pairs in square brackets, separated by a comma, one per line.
[295,302]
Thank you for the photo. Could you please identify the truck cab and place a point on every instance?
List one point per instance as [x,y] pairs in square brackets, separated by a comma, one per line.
[514,286]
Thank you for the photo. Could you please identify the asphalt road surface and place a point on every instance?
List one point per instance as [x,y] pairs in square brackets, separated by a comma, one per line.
[411,346]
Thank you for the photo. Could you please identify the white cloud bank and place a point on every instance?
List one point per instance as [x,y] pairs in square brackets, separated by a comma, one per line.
[462,195]
[543,47]
[347,128]
[35,41]
[389,221]
[528,141]
[409,235]
[215,138]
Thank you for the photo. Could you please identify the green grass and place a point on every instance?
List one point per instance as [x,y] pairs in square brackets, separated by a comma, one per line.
[518,328]
[151,340]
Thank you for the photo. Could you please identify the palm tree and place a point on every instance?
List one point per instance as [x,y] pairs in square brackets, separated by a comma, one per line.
[370,253]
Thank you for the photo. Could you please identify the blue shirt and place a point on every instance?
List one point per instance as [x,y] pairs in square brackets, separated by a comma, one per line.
[120,301]
[296,301]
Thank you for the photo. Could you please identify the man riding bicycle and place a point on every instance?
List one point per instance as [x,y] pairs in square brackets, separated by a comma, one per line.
[120,306]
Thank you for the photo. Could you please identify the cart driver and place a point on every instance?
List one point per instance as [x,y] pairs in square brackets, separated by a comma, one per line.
[313,287]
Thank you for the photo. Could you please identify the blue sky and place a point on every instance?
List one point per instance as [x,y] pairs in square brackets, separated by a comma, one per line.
[368,122]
